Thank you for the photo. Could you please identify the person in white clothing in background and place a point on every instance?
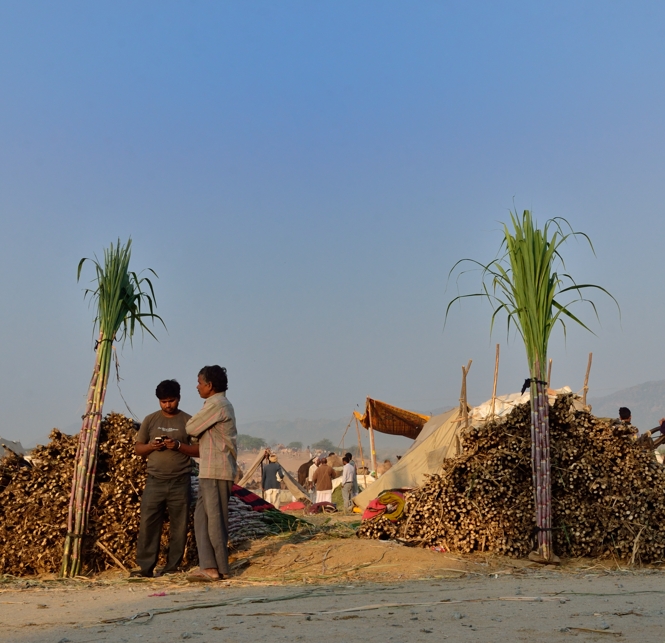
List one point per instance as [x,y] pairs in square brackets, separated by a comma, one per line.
[348,483]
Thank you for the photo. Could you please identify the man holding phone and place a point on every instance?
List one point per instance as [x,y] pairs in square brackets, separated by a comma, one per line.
[163,441]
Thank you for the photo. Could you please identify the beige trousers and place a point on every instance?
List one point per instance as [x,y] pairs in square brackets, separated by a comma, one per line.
[272,496]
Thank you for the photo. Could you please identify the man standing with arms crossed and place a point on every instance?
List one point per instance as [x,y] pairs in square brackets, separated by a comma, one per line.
[163,441]
[215,427]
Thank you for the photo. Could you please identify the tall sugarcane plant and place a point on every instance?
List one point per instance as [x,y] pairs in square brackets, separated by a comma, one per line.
[124,301]
[523,283]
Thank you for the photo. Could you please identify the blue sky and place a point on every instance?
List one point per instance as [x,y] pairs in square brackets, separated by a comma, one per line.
[302,177]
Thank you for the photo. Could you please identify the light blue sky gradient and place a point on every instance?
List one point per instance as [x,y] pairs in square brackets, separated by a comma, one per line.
[302,176]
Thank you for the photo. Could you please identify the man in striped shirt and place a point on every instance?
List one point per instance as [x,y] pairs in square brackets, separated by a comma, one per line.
[215,427]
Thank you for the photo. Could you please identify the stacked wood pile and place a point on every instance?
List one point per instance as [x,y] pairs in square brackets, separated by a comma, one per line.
[608,493]
[34,502]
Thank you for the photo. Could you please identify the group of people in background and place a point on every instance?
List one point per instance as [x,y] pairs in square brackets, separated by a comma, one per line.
[321,475]
[169,439]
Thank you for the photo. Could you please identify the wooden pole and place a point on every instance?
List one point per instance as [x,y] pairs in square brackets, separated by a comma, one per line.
[360,444]
[586,379]
[496,378]
[372,450]
[549,374]
[464,407]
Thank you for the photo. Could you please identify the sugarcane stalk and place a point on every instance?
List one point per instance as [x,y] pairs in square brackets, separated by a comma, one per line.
[119,298]
[525,284]
[541,465]
[548,472]
[86,463]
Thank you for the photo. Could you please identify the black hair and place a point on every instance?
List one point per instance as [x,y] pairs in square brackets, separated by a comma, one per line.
[166,389]
[349,455]
[346,459]
[215,375]
[624,413]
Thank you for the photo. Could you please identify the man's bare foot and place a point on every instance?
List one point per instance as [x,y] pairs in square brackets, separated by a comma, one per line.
[208,575]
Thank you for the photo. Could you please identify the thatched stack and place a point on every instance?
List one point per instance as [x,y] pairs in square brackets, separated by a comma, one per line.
[33,507]
[34,502]
[607,492]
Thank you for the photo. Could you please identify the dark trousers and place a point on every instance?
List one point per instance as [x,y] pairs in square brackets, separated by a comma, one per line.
[160,496]
[211,524]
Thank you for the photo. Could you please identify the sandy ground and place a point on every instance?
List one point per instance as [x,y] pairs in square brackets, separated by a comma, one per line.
[308,586]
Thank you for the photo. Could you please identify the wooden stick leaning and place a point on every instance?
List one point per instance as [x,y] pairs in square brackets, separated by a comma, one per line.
[586,379]
[496,378]
[464,407]
[360,443]
[372,449]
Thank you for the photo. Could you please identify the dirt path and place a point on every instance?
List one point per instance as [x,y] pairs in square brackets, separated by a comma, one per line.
[323,581]
[455,598]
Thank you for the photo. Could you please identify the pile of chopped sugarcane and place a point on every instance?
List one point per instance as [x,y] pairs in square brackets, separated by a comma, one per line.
[607,492]
[34,503]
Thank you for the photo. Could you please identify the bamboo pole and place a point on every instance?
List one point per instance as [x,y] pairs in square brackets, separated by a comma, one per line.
[360,444]
[586,379]
[346,430]
[372,450]
[496,378]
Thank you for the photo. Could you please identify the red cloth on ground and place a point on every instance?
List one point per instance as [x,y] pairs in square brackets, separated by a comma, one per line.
[373,509]
[293,506]
[321,507]
[255,502]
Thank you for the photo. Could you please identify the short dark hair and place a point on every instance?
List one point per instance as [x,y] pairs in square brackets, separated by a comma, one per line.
[345,459]
[215,375]
[349,455]
[624,413]
[167,389]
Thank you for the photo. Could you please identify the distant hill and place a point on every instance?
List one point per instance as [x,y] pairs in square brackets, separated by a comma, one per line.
[309,431]
[645,401]
[300,430]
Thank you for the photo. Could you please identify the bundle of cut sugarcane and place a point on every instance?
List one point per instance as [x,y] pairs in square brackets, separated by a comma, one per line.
[34,505]
[607,492]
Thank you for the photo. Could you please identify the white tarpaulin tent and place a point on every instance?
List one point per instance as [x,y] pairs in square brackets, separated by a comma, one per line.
[438,440]
[9,445]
